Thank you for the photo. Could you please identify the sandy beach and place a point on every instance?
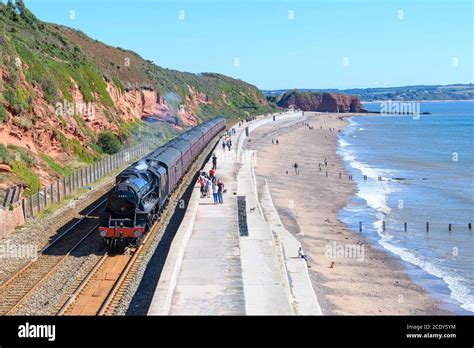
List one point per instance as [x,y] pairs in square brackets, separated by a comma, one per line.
[348,273]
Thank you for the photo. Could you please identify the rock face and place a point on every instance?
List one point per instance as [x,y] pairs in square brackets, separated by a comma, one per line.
[321,102]
[59,89]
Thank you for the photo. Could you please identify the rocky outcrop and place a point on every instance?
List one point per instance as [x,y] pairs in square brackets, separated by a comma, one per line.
[321,102]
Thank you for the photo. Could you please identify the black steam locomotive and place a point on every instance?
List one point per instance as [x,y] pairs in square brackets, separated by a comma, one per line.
[142,190]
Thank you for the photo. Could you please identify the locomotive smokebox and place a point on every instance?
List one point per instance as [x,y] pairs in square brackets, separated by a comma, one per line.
[123,202]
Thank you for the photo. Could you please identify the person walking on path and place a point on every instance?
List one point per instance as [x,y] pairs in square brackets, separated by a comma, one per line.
[220,191]
[215,193]
[223,145]
[296,168]
[202,183]
[214,161]
[208,187]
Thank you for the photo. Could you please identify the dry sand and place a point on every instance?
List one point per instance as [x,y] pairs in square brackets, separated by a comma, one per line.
[367,280]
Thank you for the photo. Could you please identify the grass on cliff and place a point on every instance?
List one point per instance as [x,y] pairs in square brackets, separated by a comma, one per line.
[27,177]
[4,155]
[3,114]
[83,153]
[56,167]
[54,59]
[54,55]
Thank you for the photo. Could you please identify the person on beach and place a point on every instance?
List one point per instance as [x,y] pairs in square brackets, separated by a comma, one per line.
[303,256]
[214,161]
[215,193]
[277,142]
[325,162]
[220,191]
[296,168]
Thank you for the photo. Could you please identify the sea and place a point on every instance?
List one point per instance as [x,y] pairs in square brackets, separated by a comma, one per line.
[420,175]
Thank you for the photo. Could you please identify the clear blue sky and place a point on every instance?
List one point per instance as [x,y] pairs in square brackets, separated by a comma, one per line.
[429,42]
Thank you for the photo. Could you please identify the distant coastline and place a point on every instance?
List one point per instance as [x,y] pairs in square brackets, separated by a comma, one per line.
[418,101]
[419,93]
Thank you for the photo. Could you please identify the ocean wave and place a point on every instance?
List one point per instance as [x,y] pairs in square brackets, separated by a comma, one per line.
[459,292]
[343,143]
[373,191]
[352,122]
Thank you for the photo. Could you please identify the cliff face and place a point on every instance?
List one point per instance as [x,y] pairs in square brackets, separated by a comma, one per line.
[59,89]
[321,102]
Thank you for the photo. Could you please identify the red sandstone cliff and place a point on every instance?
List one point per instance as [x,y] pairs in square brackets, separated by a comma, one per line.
[321,102]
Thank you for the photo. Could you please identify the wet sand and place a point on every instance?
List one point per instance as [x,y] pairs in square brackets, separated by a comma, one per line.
[349,274]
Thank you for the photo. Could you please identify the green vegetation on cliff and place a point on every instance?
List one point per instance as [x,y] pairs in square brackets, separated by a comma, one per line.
[43,65]
[108,142]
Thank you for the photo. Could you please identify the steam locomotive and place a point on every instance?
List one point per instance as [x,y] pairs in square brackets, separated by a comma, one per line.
[142,190]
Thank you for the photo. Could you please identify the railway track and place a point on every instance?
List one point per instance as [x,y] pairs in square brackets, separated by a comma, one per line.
[95,293]
[100,291]
[25,281]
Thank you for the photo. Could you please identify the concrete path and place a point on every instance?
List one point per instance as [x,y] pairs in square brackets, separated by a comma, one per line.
[265,282]
[211,270]
[210,280]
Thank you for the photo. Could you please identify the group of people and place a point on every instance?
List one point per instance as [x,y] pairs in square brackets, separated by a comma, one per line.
[211,184]
[275,141]
[227,141]
[248,119]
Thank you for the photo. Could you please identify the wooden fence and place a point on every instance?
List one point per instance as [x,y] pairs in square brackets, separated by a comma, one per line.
[64,187]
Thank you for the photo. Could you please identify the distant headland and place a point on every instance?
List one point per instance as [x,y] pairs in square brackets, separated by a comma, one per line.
[454,92]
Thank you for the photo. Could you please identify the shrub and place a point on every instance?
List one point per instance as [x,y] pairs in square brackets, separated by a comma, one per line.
[3,114]
[80,151]
[49,89]
[61,137]
[4,155]
[108,142]
[22,154]
[22,122]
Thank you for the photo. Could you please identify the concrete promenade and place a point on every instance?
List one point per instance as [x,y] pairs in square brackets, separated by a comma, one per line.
[212,270]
